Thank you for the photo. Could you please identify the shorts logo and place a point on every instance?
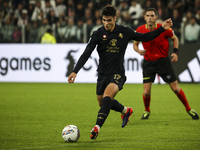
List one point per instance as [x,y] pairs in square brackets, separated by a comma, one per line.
[168,77]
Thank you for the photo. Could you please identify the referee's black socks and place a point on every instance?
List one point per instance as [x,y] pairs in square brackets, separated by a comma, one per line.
[104,110]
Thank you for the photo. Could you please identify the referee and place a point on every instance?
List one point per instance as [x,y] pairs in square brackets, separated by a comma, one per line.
[111,40]
[156,61]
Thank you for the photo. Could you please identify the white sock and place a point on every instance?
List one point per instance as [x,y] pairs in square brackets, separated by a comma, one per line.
[124,110]
[98,127]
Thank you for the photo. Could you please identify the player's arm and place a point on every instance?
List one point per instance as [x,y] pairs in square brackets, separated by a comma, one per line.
[153,34]
[167,24]
[136,48]
[174,55]
[82,60]
[72,77]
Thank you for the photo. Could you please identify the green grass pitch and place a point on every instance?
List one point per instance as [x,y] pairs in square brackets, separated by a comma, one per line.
[32,116]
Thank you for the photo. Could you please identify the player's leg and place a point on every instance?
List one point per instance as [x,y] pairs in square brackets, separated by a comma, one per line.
[126,111]
[115,105]
[146,99]
[107,88]
[109,93]
[96,129]
[99,99]
[118,107]
[181,96]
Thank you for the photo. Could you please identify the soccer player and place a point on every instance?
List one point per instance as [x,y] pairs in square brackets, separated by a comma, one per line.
[111,40]
[156,60]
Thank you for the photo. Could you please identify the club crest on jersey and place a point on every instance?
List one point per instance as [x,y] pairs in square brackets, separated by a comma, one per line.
[113,42]
[121,35]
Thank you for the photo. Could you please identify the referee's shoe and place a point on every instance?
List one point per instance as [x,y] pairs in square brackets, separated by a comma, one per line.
[193,114]
[145,115]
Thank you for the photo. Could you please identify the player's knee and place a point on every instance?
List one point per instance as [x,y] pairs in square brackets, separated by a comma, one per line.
[176,90]
[146,94]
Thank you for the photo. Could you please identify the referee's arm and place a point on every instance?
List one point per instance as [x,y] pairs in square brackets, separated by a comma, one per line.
[136,48]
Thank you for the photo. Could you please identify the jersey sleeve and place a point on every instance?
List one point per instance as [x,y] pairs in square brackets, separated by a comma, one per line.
[147,36]
[86,54]
[138,30]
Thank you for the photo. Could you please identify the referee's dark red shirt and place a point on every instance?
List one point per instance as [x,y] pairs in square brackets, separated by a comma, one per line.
[158,47]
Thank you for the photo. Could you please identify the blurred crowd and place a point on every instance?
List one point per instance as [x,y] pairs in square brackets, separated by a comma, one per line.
[73,21]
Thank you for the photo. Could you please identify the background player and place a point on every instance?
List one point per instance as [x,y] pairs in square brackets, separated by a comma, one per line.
[156,60]
[111,40]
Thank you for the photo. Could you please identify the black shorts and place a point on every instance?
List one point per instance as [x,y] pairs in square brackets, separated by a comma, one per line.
[162,67]
[103,81]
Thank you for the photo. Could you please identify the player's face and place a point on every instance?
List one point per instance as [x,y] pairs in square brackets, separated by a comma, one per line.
[109,22]
[150,17]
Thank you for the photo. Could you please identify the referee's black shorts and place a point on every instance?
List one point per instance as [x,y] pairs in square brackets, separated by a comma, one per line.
[103,81]
[163,67]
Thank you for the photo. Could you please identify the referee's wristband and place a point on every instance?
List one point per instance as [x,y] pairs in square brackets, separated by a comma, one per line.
[175,51]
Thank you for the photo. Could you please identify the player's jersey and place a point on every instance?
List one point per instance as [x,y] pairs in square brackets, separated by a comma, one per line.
[111,47]
[158,47]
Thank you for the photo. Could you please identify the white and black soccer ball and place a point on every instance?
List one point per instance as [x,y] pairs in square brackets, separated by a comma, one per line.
[71,133]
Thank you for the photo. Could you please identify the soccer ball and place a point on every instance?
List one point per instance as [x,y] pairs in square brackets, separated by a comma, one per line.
[71,133]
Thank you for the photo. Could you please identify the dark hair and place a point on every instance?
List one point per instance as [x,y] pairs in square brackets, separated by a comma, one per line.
[109,11]
[49,30]
[152,9]
[193,18]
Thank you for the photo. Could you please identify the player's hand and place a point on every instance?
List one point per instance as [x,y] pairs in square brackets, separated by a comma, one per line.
[167,24]
[142,52]
[72,77]
[174,57]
